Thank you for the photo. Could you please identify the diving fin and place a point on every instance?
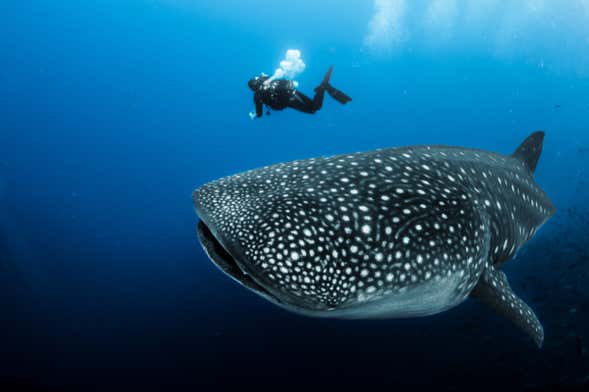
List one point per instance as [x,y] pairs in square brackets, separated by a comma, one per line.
[337,95]
[332,91]
[325,82]
[494,290]
[327,76]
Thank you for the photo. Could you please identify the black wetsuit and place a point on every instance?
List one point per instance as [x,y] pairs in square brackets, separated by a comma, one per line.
[281,94]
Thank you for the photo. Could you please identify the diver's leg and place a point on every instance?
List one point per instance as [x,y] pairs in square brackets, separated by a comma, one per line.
[302,103]
[320,90]
[318,98]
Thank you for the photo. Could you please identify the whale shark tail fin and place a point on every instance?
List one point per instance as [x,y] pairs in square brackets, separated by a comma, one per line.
[529,151]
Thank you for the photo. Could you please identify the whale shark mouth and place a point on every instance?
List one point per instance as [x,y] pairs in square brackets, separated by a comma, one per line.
[223,259]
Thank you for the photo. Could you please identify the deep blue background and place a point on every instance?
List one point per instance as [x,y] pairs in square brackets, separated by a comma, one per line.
[112,112]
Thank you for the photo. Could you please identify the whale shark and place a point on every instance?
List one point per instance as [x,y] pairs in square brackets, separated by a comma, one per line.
[390,233]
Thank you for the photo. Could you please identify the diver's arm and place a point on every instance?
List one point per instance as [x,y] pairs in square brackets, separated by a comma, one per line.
[259,105]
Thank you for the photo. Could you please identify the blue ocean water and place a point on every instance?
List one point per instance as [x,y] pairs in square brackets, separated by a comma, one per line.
[112,112]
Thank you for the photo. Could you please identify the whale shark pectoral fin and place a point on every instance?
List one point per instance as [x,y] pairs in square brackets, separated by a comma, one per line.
[494,290]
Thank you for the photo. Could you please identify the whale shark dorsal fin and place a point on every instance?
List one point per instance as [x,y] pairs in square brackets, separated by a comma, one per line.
[529,151]
[494,290]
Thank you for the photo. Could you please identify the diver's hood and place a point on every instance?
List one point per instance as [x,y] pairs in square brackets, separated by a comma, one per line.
[256,83]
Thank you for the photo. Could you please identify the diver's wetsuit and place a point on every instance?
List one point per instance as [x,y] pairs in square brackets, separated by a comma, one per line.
[282,93]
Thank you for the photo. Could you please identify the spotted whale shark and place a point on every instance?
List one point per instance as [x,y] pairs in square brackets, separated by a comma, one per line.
[390,233]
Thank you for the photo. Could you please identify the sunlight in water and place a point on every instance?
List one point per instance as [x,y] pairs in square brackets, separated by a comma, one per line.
[537,28]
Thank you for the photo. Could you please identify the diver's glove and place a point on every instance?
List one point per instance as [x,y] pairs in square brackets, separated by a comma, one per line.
[252,115]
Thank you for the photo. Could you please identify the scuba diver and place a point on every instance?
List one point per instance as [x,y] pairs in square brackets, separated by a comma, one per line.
[282,93]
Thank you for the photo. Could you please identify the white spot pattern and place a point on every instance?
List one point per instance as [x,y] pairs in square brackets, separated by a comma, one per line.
[328,232]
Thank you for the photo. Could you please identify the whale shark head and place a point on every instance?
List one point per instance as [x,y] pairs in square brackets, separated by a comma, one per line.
[260,236]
